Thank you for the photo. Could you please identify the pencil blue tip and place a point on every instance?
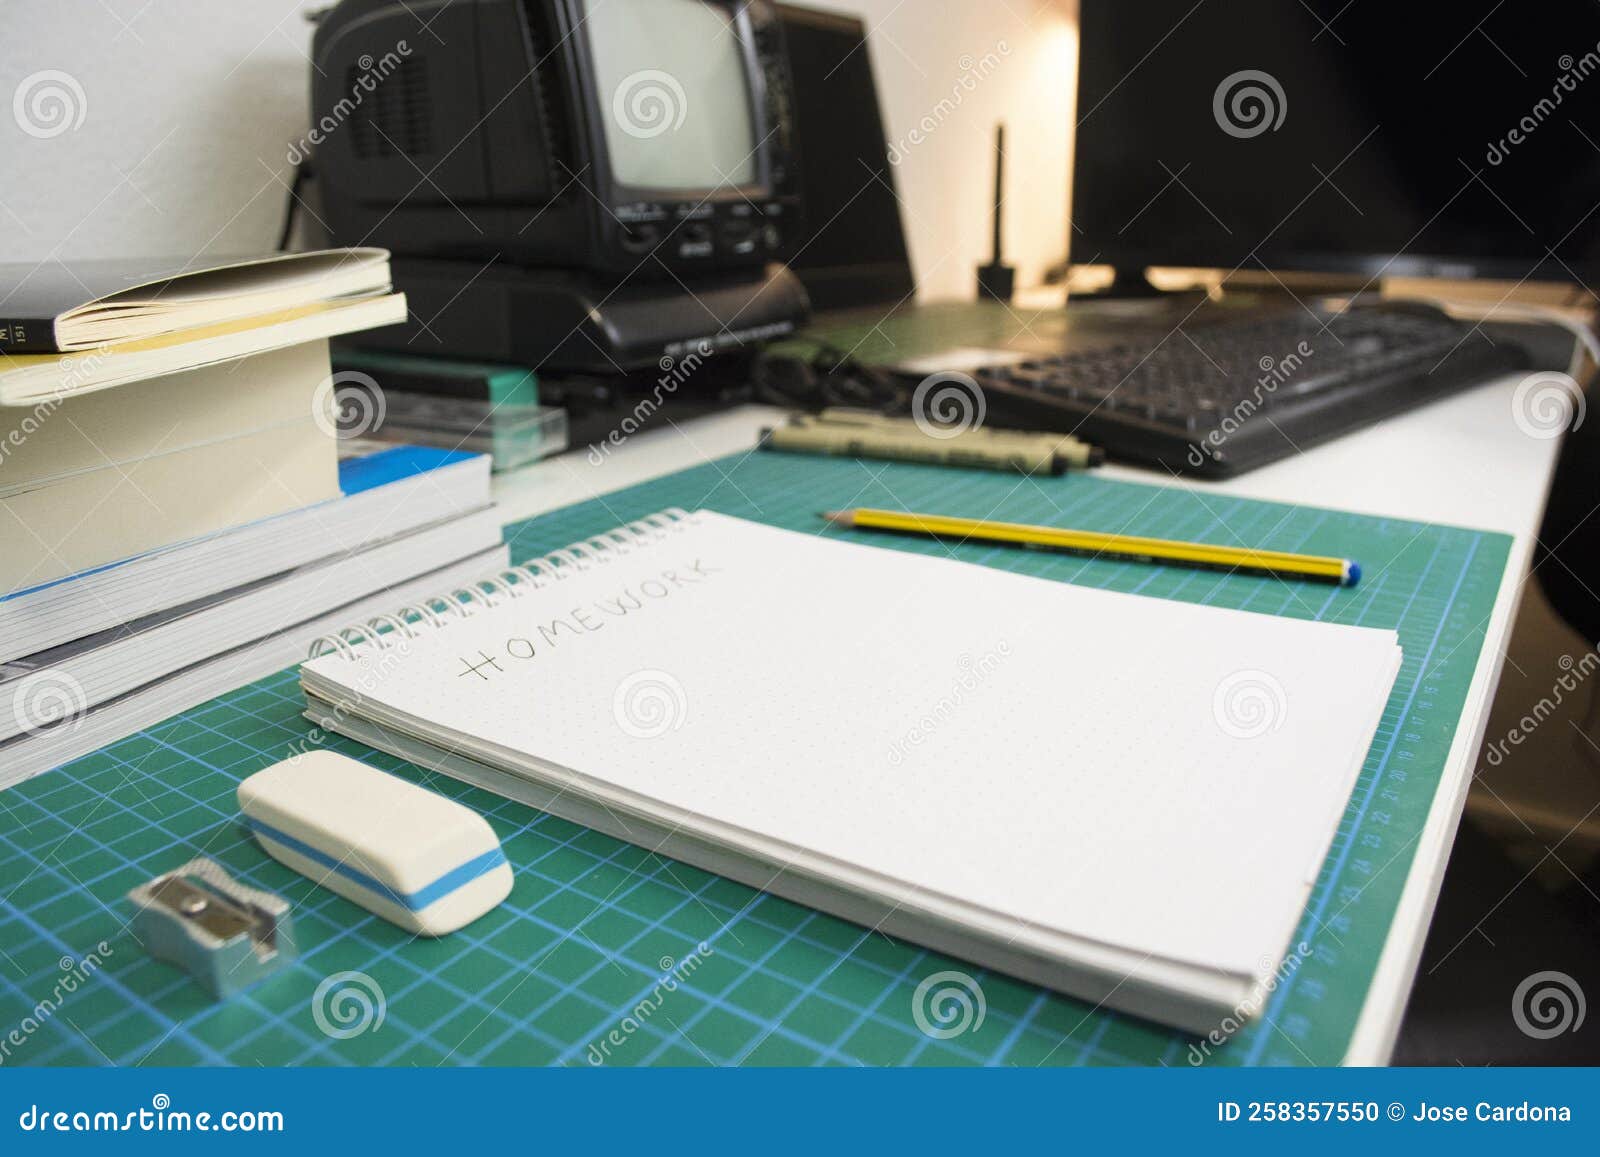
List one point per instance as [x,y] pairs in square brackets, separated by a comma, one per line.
[1352,573]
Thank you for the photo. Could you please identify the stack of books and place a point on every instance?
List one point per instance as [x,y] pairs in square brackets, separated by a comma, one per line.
[487,408]
[178,513]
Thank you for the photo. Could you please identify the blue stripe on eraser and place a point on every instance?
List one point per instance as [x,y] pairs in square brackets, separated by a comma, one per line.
[451,881]
[1352,573]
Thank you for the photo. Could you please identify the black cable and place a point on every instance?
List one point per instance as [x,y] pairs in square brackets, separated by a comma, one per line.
[830,377]
[302,171]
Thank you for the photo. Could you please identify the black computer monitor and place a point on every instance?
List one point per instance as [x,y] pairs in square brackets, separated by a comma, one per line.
[1448,140]
[853,249]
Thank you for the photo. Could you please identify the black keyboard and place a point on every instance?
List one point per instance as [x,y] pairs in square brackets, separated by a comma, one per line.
[1220,397]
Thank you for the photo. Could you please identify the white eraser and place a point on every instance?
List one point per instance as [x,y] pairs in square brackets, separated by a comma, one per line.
[415,858]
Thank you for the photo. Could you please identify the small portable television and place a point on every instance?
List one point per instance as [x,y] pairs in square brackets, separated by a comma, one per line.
[622,168]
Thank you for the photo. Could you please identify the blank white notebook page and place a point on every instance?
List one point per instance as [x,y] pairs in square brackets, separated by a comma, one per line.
[1152,775]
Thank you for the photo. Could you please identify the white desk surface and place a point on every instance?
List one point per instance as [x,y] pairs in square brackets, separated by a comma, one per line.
[1461,461]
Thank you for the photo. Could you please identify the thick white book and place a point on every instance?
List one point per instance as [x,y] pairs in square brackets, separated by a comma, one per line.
[1123,798]
[82,730]
[112,662]
[386,491]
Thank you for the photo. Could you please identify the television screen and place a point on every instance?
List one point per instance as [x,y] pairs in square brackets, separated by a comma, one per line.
[673,93]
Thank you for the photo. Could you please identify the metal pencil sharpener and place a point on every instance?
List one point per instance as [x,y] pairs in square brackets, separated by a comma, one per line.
[225,935]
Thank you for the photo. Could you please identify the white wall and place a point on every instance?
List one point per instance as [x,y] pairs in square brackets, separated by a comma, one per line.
[934,61]
[188,108]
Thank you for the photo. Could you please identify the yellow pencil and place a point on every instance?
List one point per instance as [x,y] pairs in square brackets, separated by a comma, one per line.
[1320,568]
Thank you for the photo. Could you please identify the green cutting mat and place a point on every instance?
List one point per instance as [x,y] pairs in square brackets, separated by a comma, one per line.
[594,927]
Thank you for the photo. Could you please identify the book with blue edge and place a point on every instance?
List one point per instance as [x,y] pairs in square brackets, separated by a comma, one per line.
[88,659]
[386,491]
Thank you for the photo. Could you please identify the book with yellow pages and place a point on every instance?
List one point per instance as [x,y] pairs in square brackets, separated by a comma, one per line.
[62,305]
[32,379]
[223,412]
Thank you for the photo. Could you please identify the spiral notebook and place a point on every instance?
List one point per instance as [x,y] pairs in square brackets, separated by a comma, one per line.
[1123,798]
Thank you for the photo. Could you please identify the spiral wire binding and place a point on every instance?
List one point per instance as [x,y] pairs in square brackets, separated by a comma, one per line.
[437,610]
